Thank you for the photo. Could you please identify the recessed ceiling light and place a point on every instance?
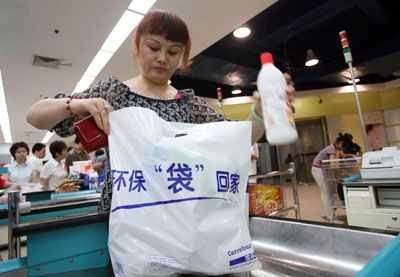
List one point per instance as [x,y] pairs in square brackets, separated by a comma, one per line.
[311,59]
[357,80]
[242,32]
[312,62]
[236,91]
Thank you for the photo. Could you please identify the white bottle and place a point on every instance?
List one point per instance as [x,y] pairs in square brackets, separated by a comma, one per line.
[278,116]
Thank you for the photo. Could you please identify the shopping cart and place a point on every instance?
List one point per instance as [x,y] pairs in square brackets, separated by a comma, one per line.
[335,172]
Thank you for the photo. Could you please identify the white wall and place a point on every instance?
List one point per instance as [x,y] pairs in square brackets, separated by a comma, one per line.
[392,122]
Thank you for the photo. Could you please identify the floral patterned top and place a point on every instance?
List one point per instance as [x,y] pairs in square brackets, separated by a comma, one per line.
[186,108]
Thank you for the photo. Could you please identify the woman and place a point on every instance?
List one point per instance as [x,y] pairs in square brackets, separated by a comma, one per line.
[328,153]
[161,45]
[19,171]
[352,149]
[54,171]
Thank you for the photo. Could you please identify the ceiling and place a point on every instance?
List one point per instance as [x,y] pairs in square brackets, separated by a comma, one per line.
[287,29]
[27,29]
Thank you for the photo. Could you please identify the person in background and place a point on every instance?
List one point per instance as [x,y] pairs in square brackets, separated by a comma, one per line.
[100,162]
[19,171]
[352,149]
[99,152]
[289,159]
[54,171]
[328,153]
[253,162]
[78,153]
[38,153]
[161,44]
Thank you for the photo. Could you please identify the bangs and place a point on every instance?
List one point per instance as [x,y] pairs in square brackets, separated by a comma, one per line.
[168,25]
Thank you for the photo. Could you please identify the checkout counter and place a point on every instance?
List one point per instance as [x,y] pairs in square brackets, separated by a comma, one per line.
[373,201]
[65,236]
[77,246]
[40,206]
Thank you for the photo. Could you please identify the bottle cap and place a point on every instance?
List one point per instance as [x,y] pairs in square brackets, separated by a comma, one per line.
[266,58]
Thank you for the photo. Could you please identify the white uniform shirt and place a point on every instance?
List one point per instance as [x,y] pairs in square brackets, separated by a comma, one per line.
[36,163]
[20,174]
[253,163]
[55,172]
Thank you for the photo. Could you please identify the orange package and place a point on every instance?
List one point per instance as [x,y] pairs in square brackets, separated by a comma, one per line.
[265,199]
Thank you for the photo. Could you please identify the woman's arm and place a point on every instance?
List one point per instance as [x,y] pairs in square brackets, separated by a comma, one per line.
[7,182]
[346,155]
[47,113]
[97,165]
[50,114]
[35,176]
[45,183]
[332,157]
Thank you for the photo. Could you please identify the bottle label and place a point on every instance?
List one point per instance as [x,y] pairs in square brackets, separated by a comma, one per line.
[276,111]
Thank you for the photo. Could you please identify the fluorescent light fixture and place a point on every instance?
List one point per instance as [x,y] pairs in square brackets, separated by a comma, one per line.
[311,59]
[5,127]
[350,81]
[122,30]
[236,91]
[242,32]
[141,6]
[99,61]
[4,119]
[47,137]
[3,104]
[83,83]
[124,27]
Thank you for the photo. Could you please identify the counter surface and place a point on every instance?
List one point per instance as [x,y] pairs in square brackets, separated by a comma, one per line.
[373,182]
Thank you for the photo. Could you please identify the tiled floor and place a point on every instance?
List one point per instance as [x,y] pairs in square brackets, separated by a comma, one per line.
[310,202]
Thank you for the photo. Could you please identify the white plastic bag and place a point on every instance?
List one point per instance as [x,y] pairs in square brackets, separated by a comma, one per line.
[178,196]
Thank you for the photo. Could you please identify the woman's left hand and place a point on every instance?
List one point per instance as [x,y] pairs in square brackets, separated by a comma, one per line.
[290,91]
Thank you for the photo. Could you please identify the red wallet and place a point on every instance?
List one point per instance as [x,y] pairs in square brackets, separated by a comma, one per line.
[91,137]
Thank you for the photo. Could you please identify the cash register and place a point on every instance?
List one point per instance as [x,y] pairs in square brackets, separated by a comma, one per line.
[383,164]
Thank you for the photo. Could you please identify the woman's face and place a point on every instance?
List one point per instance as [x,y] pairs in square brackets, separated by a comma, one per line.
[63,155]
[21,154]
[41,154]
[158,57]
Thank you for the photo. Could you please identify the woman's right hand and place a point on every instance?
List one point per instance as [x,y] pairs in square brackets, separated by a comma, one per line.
[97,107]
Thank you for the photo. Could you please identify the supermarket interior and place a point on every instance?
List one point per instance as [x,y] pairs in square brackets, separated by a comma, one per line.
[199,138]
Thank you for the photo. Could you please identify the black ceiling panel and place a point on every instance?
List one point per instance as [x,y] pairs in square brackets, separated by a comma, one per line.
[288,28]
